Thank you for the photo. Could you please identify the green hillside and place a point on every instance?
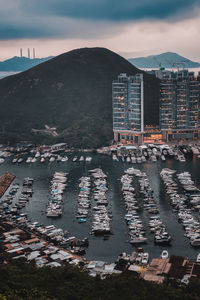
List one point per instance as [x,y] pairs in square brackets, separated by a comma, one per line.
[72,92]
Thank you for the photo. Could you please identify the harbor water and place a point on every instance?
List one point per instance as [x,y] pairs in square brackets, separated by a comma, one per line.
[99,248]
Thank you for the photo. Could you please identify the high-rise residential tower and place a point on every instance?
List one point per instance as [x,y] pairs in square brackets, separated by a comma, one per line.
[179,106]
[128,108]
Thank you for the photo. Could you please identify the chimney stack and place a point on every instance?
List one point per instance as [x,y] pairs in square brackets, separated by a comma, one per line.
[21,52]
[29,53]
[34,53]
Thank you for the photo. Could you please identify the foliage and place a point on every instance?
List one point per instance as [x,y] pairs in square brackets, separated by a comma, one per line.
[72,92]
[22,281]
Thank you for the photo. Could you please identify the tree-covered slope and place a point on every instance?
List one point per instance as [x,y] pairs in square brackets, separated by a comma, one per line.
[72,92]
[24,281]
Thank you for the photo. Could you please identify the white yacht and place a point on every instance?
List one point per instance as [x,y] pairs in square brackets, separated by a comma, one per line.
[164,254]
[198,258]
[2,160]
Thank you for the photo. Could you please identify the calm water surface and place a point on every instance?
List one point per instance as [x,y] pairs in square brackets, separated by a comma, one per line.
[100,249]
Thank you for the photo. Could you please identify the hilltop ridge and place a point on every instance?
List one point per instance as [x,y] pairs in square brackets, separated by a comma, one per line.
[166,60]
[17,64]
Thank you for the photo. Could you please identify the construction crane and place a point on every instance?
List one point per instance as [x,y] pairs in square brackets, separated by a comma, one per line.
[179,63]
[170,63]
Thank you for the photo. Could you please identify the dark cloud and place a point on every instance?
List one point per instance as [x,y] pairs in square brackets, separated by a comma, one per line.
[111,10]
[9,31]
[82,18]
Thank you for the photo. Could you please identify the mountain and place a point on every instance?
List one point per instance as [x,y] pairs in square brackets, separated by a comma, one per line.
[72,93]
[165,60]
[16,63]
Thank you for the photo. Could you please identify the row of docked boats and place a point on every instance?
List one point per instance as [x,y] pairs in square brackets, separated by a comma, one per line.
[82,158]
[101,217]
[161,236]
[151,152]
[58,185]
[27,191]
[83,199]
[47,157]
[6,203]
[134,223]
[157,227]
[182,202]
[145,190]
[50,232]
[24,197]
[187,183]
[11,212]
[189,220]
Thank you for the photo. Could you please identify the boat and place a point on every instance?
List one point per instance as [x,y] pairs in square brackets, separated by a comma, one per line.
[88,159]
[64,159]
[128,159]
[198,258]
[164,254]
[138,240]
[181,158]
[2,160]
[145,258]
[34,159]
[59,158]
[153,158]
[37,155]
[81,220]
[29,160]
[195,242]
[52,159]
[114,157]
[168,171]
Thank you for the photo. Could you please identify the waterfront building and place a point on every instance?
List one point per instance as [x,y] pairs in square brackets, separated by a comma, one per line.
[128,108]
[179,114]
[179,106]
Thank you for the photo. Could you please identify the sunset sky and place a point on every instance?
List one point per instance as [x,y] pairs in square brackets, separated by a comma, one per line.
[130,27]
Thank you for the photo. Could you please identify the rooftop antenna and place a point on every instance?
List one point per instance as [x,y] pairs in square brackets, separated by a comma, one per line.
[21,52]
[34,53]
[28,53]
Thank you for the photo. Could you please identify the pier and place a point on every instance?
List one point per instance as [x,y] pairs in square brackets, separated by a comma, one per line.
[5,182]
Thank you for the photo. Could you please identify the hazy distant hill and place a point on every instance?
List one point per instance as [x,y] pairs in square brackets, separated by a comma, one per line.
[165,60]
[72,92]
[21,63]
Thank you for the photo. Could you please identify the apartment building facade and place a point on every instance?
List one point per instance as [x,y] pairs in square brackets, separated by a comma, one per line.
[128,108]
[179,106]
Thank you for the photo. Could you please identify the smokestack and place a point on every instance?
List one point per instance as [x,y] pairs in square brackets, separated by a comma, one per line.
[33,52]
[29,53]
[21,52]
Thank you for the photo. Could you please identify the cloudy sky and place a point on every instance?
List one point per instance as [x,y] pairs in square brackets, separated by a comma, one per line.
[130,27]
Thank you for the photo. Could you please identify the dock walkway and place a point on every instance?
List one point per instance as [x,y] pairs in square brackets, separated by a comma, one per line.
[5,182]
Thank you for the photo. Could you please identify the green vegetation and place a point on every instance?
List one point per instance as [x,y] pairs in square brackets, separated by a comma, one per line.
[72,92]
[21,63]
[22,281]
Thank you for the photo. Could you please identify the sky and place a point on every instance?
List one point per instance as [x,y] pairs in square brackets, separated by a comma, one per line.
[131,28]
